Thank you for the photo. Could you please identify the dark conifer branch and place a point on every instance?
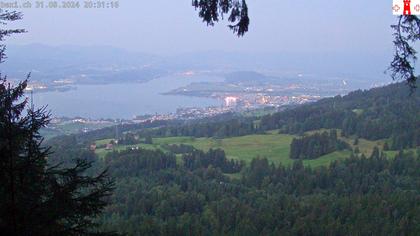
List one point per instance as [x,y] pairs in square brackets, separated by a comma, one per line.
[406,33]
[211,11]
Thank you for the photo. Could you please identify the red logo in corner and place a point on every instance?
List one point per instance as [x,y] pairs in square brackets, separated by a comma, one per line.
[407,7]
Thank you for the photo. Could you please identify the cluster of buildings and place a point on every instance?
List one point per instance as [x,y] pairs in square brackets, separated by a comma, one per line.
[77,125]
[232,103]
[189,113]
[36,87]
[249,101]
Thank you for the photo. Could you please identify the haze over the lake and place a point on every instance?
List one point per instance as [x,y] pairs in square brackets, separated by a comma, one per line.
[348,41]
[172,27]
[125,100]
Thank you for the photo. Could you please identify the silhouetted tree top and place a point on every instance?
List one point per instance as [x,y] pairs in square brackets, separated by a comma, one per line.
[5,17]
[406,33]
[35,197]
[212,11]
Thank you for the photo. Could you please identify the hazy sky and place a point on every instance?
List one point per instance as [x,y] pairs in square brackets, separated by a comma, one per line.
[173,26]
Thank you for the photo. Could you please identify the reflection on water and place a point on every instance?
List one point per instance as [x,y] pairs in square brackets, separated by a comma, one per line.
[124,100]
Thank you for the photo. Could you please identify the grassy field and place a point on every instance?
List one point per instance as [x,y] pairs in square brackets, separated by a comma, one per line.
[365,146]
[273,146]
[70,128]
[101,152]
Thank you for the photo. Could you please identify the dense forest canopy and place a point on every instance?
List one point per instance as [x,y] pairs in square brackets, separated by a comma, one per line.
[180,189]
[388,112]
[316,145]
[156,195]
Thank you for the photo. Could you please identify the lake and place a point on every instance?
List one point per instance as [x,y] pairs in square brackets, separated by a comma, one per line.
[124,100]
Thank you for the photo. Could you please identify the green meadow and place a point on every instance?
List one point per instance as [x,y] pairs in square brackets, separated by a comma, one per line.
[273,146]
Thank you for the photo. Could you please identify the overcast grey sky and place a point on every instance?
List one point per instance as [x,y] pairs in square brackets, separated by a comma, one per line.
[173,26]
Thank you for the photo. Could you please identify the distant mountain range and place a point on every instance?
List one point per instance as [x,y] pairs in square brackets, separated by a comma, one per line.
[80,64]
[102,64]
[252,78]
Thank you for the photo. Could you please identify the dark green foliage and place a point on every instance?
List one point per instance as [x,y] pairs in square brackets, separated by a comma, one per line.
[358,196]
[226,125]
[5,17]
[148,139]
[214,157]
[386,146]
[217,129]
[386,112]
[129,139]
[36,199]
[406,33]
[73,200]
[316,145]
[375,153]
[107,133]
[356,141]
[179,149]
[361,113]
[135,162]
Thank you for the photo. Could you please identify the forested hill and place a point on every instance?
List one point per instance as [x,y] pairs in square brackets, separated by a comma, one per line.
[166,187]
[389,112]
[385,112]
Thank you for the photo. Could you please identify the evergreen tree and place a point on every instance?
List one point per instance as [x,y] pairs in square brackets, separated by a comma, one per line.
[406,33]
[36,199]
[213,10]
[5,17]
[386,146]
[356,141]
[375,153]
[148,139]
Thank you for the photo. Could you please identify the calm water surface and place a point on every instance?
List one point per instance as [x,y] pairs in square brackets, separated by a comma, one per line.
[124,100]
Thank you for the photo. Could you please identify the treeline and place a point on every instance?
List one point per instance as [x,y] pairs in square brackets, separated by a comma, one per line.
[381,113]
[156,128]
[214,157]
[219,129]
[130,138]
[136,162]
[179,148]
[109,132]
[156,195]
[216,129]
[357,196]
[316,145]
[386,112]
